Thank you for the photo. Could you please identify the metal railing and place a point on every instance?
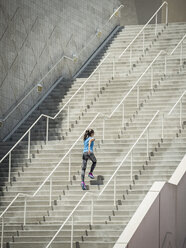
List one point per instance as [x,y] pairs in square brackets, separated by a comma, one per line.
[180,108]
[113,176]
[67,104]
[136,86]
[37,85]
[129,153]
[71,215]
[142,31]
[48,178]
[28,132]
[180,43]
[99,32]
[74,59]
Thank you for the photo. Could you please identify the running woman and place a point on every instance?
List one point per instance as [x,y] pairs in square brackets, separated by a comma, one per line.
[88,154]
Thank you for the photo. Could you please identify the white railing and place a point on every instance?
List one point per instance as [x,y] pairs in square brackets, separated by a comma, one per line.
[130,152]
[180,108]
[28,132]
[136,86]
[36,86]
[71,215]
[74,59]
[180,43]
[67,104]
[48,178]
[142,31]
[72,222]
[113,177]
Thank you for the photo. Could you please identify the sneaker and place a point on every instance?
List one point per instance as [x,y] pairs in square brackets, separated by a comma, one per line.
[83,186]
[91,175]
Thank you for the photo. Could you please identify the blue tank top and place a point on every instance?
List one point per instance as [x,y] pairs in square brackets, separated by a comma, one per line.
[86,143]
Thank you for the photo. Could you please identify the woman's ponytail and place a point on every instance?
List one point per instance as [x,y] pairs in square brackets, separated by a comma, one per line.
[88,133]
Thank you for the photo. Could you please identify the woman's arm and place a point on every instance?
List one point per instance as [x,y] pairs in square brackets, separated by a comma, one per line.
[89,144]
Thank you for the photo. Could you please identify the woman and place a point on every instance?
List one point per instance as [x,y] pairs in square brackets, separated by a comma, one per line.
[88,154]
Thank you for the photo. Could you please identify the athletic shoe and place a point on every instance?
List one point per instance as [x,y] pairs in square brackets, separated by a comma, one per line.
[83,186]
[91,175]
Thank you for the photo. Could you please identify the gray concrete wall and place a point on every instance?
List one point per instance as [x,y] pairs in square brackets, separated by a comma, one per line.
[146,8]
[35,34]
[177,11]
[128,13]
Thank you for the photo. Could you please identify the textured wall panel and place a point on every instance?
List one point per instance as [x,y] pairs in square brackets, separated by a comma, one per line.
[34,35]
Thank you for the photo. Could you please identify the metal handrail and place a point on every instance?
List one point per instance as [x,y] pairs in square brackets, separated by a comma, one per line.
[114,13]
[6,117]
[47,178]
[130,152]
[67,219]
[179,101]
[178,44]
[64,57]
[155,15]
[97,195]
[74,145]
[136,83]
[50,117]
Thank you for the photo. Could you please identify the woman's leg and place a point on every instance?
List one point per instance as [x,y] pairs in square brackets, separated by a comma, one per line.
[84,166]
[94,161]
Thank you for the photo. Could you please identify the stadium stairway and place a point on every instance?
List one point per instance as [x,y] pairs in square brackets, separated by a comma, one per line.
[164,155]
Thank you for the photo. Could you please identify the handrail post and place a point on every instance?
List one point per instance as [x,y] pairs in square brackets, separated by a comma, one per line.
[72,232]
[162,127]
[147,142]
[165,68]
[47,126]
[69,167]
[115,191]
[2,232]
[99,80]
[131,165]
[103,129]
[123,114]
[152,72]
[143,41]
[9,165]
[113,67]
[130,57]
[137,96]
[181,53]
[166,15]
[25,205]
[50,199]
[84,97]
[29,145]
[92,210]
[181,113]
[156,22]
[68,117]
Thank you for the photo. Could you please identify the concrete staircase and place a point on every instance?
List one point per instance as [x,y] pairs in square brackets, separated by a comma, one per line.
[164,155]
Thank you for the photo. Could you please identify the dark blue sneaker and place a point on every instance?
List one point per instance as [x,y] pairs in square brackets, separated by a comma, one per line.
[91,175]
[83,186]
